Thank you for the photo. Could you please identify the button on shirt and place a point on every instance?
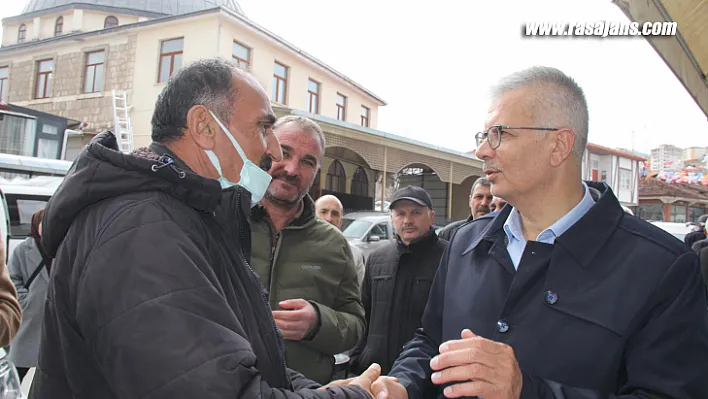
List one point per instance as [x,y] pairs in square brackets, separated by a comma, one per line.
[517,242]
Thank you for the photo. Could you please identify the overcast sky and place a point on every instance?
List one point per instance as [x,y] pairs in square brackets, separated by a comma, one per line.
[434,63]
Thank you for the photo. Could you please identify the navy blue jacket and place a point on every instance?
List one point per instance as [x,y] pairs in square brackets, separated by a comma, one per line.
[618,312]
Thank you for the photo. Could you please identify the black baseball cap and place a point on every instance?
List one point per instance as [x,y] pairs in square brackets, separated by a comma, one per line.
[412,193]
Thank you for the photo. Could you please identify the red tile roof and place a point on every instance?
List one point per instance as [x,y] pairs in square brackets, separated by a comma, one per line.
[656,188]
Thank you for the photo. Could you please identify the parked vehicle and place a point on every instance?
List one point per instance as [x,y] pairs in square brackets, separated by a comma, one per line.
[678,230]
[368,230]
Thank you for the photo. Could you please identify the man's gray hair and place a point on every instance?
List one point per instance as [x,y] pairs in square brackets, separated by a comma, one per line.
[305,124]
[560,103]
[480,181]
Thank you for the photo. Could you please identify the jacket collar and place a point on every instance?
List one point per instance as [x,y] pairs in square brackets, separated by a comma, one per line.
[303,220]
[592,230]
[419,245]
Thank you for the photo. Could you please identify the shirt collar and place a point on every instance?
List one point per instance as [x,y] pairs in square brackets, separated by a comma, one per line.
[513,230]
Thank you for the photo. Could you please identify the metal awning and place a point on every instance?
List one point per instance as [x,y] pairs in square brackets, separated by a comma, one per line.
[687,52]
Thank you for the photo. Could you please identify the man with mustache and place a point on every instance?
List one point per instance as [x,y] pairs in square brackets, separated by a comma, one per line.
[398,279]
[305,263]
[480,199]
[562,294]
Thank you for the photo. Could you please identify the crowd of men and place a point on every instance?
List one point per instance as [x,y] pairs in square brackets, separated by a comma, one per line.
[199,267]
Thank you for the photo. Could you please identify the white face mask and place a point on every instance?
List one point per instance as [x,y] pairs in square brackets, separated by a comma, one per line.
[253,178]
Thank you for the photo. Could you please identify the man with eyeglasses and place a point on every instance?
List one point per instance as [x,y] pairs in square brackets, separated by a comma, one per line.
[561,294]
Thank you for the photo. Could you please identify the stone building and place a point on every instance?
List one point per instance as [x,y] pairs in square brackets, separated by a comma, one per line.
[68,57]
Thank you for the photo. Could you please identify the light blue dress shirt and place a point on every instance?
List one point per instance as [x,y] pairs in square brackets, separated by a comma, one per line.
[517,242]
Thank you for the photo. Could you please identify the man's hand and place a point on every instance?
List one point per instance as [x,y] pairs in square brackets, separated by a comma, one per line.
[479,367]
[298,321]
[388,388]
[364,380]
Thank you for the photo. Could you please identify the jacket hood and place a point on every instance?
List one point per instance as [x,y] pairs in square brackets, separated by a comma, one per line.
[101,171]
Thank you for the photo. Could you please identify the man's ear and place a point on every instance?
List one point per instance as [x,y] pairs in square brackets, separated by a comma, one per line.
[202,127]
[563,144]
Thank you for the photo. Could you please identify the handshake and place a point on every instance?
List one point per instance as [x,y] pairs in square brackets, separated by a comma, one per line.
[378,386]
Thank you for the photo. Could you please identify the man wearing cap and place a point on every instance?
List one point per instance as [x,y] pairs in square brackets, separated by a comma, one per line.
[398,279]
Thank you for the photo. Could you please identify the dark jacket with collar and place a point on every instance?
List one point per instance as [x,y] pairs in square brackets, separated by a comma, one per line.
[447,231]
[618,310]
[395,290]
[151,294]
[311,259]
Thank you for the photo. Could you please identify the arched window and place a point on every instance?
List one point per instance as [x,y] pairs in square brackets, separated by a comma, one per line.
[110,21]
[360,183]
[59,26]
[21,33]
[315,191]
[336,178]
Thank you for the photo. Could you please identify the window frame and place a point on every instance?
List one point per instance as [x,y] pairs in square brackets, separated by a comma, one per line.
[312,94]
[341,179]
[367,117]
[238,60]
[95,67]
[105,22]
[172,55]
[46,76]
[4,82]
[276,90]
[59,26]
[22,33]
[341,108]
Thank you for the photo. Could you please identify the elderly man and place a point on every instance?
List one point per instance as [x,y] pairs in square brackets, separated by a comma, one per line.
[480,200]
[151,295]
[304,262]
[329,208]
[561,294]
[398,279]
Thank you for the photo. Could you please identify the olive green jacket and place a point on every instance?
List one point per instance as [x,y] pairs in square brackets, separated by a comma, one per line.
[310,259]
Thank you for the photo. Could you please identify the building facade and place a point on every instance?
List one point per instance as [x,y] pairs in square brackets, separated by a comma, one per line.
[671,202]
[619,169]
[667,158]
[70,59]
[694,153]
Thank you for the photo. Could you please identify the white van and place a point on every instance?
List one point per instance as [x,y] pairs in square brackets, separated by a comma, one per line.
[20,201]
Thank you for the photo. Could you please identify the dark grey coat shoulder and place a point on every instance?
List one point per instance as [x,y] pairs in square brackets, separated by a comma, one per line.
[615,308]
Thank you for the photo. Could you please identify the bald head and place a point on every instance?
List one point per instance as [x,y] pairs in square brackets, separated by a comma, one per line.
[329,208]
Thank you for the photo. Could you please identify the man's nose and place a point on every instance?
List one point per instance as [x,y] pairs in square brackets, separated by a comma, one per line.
[486,201]
[273,149]
[484,151]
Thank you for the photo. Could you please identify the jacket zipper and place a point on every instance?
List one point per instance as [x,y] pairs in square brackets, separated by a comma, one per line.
[264,297]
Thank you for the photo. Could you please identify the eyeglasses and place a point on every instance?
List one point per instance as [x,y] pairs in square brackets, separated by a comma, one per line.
[494,134]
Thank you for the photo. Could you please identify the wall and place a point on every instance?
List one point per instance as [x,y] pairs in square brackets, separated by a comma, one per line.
[10,29]
[48,23]
[67,97]
[200,41]
[94,20]
[266,51]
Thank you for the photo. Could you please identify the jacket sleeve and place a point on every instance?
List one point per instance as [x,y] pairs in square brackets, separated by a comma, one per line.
[15,265]
[158,325]
[10,312]
[299,381]
[413,365]
[343,324]
[355,365]
[666,357]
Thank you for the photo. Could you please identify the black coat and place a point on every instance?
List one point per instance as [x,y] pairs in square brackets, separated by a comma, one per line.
[617,311]
[151,295]
[395,291]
